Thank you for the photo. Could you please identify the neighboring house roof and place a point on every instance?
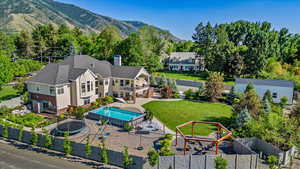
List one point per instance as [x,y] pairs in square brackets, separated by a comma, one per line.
[266,82]
[182,57]
[72,67]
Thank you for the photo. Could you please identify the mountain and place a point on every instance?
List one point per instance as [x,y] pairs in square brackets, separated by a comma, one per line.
[15,15]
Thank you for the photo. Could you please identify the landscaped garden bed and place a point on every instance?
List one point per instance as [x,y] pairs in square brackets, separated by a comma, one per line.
[174,113]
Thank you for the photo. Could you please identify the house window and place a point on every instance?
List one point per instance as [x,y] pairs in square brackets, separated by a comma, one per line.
[113,82]
[37,88]
[106,82]
[60,90]
[87,101]
[127,82]
[88,86]
[121,82]
[101,82]
[96,83]
[96,91]
[52,90]
[121,94]
[92,85]
[274,95]
[83,87]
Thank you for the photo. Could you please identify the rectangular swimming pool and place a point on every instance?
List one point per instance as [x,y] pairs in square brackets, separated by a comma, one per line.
[116,116]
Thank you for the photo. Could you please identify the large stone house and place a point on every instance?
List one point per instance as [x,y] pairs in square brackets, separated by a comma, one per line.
[184,61]
[80,80]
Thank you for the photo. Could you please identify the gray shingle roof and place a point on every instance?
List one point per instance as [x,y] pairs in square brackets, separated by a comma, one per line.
[182,57]
[74,66]
[267,82]
[129,72]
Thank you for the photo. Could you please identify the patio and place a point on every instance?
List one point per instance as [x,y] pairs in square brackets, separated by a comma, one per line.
[116,138]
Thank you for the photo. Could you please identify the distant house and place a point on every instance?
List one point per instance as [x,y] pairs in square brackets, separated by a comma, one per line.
[278,88]
[184,61]
[80,80]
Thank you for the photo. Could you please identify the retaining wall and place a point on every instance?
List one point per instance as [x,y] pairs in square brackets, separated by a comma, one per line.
[115,158]
[205,162]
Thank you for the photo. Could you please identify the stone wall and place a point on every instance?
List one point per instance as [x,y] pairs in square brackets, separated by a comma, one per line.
[115,158]
[205,162]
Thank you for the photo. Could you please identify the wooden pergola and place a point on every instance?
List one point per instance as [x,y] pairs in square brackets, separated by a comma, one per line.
[216,141]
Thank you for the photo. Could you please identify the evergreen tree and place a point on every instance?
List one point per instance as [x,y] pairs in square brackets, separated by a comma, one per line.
[48,140]
[243,117]
[232,95]
[20,135]
[103,153]
[5,131]
[153,157]
[6,73]
[249,87]
[214,86]
[127,160]
[153,82]
[88,150]
[266,106]
[268,95]
[34,137]
[67,144]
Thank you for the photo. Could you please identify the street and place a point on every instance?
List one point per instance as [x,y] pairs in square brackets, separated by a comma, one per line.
[14,157]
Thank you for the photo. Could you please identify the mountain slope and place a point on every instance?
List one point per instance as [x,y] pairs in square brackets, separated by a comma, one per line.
[15,15]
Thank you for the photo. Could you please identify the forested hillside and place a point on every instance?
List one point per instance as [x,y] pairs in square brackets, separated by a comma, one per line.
[17,15]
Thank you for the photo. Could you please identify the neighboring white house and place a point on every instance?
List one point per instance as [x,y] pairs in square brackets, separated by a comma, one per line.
[184,61]
[278,88]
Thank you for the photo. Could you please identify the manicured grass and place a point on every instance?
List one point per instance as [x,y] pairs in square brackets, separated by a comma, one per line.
[200,77]
[7,93]
[174,113]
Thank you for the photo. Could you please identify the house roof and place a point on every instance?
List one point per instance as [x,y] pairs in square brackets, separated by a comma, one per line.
[267,82]
[182,57]
[72,67]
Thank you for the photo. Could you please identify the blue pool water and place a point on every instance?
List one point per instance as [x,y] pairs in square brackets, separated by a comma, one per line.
[117,113]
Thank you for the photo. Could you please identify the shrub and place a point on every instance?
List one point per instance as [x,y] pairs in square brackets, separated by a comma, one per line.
[127,160]
[5,131]
[103,153]
[189,94]
[20,134]
[108,100]
[4,111]
[176,95]
[220,163]
[34,137]
[166,143]
[67,144]
[25,98]
[153,157]
[127,127]
[272,161]
[20,86]
[48,140]
[283,101]
[88,149]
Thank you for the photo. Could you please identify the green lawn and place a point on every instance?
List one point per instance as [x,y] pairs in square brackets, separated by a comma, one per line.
[174,113]
[7,92]
[187,76]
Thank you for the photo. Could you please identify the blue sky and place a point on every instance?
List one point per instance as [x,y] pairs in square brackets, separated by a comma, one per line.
[180,17]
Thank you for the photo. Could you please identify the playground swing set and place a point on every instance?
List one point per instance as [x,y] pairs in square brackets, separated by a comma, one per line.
[222,134]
